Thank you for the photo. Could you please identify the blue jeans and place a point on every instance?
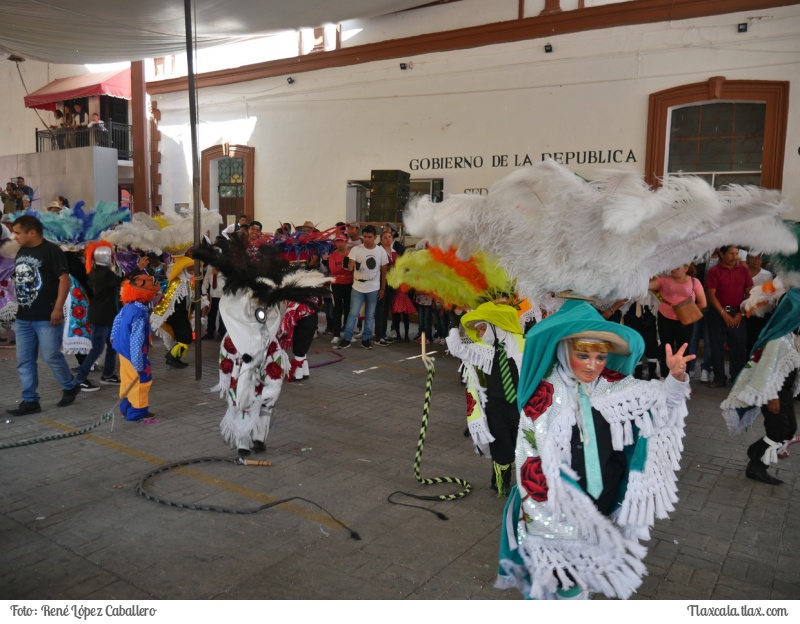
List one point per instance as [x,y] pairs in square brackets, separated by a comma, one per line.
[31,337]
[100,335]
[369,300]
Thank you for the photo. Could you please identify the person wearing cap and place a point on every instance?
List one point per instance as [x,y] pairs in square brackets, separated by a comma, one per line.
[353,237]
[341,286]
[492,357]
[596,457]
[54,207]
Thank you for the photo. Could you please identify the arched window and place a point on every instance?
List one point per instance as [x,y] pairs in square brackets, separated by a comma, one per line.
[725,131]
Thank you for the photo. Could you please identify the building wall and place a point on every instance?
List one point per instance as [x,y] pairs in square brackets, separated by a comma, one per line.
[85,173]
[18,124]
[500,107]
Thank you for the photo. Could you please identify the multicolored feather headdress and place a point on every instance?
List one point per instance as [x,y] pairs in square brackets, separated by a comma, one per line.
[73,228]
[461,283]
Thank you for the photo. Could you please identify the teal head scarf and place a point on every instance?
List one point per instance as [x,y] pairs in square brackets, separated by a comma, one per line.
[574,316]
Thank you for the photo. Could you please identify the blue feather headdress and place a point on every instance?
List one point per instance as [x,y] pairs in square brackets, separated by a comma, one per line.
[74,227]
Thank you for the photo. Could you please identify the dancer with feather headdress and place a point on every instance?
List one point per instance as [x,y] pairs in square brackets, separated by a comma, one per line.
[252,364]
[597,450]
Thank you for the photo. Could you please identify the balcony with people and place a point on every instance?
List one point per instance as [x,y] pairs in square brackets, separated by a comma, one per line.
[89,110]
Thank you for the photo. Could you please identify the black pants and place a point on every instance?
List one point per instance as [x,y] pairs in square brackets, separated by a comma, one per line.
[303,334]
[736,338]
[383,311]
[754,326]
[213,312]
[179,322]
[341,306]
[674,334]
[503,419]
[781,426]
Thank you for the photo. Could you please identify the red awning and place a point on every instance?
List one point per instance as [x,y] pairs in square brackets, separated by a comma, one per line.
[114,83]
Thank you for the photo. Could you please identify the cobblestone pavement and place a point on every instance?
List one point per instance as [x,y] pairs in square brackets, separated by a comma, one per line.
[73,526]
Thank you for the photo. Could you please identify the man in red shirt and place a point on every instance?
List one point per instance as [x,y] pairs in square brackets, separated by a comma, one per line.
[728,283]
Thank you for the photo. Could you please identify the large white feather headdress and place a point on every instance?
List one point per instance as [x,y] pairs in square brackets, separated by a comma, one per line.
[554,231]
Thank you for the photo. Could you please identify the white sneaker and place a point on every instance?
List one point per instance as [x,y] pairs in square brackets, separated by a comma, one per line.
[335,340]
[704,376]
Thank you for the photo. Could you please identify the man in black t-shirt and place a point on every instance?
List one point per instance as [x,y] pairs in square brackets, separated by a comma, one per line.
[42,284]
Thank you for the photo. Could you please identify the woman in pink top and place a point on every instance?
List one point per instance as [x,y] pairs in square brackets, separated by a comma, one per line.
[341,286]
[678,286]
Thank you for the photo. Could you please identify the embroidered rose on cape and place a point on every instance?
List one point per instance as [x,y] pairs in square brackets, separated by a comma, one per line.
[228,344]
[77,294]
[533,481]
[611,375]
[470,404]
[226,366]
[273,347]
[538,403]
[274,370]
[79,312]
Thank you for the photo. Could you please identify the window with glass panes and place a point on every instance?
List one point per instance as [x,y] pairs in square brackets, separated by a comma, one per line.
[721,142]
[231,177]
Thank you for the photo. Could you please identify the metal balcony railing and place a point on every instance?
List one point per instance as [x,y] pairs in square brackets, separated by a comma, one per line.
[112,134]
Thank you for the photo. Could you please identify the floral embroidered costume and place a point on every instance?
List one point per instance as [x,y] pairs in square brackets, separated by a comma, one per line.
[767,385]
[130,337]
[252,364]
[595,460]
[492,357]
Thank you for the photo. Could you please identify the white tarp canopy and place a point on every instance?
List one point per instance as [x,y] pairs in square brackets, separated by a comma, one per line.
[104,31]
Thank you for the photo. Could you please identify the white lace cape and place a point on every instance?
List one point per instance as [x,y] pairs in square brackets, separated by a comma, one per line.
[761,381]
[565,538]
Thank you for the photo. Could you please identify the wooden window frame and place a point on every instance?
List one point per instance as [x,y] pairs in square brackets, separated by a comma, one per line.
[229,151]
[775,94]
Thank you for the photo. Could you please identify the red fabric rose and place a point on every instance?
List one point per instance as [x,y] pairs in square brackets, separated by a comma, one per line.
[470,404]
[533,481]
[226,366]
[79,312]
[76,293]
[611,375]
[228,344]
[259,389]
[538,403]
[273,347]
[77,331]
[274,370]
[233,383]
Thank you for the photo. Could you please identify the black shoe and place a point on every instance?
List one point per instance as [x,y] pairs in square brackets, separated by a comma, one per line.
[366,344]
[111,380]
[718,383]
[259,446]
[344,344]
[243,452]
[88,386]
[25,408]
[757,471]
[175,362]
[68,396]
[382,342]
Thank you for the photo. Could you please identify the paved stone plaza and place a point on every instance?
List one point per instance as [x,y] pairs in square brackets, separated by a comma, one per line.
[73,527]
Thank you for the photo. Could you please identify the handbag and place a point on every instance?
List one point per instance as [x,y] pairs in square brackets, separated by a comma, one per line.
[687,310]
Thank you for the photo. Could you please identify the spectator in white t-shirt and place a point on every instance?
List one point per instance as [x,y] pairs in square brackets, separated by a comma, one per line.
[368,262]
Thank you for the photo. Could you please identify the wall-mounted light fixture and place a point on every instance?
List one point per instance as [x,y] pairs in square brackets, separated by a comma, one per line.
[742,28]
[290,80]
[548,48]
